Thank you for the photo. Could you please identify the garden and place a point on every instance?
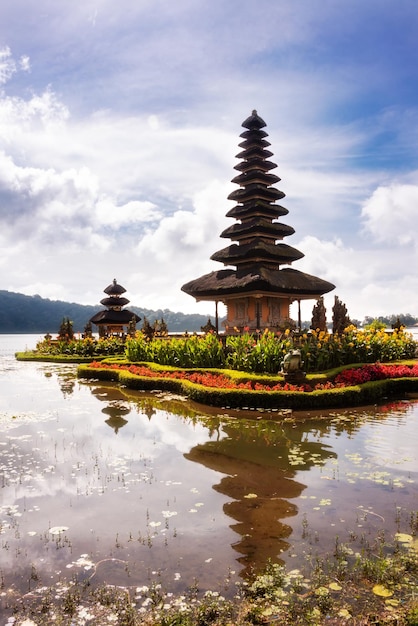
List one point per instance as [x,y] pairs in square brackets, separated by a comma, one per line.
[350,368]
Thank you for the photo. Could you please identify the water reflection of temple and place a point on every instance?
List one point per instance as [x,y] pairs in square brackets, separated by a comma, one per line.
[117,405]
[255,459]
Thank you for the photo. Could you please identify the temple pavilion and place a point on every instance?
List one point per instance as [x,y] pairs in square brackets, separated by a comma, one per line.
[260,286]
[115,320]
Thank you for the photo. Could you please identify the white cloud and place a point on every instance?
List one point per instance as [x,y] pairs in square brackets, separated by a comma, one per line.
[108,213]
[363,281]
[390,213]
[118,140]
[7,65]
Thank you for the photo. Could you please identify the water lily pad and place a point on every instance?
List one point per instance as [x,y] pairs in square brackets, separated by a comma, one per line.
[413,545]
[381,590]
[335,586]
[321,591]
[57,530]
[403,538]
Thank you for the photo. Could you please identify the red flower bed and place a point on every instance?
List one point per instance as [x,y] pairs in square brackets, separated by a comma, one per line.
[359,375]
[347,378]
[207,379]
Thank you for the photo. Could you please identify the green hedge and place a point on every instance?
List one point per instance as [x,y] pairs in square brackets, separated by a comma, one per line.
[367,393]
[54,358]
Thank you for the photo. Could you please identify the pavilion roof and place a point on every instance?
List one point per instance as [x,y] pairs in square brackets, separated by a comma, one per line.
[286,281]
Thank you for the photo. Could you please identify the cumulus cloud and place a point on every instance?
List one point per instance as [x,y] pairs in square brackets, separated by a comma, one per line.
[42,204]
[118,141]
[390,212]
[179,248]
[363,281]
[9,66]
[108,213]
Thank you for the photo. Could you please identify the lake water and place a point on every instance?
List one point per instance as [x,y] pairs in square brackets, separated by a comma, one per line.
[126,487]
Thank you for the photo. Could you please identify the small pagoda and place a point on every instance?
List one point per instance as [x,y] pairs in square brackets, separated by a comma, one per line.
[115,320]
[259,291]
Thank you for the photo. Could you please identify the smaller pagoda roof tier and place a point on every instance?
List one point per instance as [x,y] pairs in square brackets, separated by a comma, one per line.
[257,163]
[261,279]
[255,176]
[254,121]
[114,289]
[110,316]
[256,192]
[257,228]
[254,151]
[249,134]
[113,301]
[257,207]
[257,250]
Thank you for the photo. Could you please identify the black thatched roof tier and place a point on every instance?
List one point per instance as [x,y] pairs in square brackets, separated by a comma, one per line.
[254,121]
[110,316]
[113,301]
[254,151]
[114,289]
[255,176]
[257,227]
[257,250]
[257,163]
[257,208]
[249,134]
[260,279]
[255,191]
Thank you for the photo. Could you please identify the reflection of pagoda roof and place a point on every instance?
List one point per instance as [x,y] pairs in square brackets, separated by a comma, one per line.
[114,317]
[251,468]
[116,422]
[257,279]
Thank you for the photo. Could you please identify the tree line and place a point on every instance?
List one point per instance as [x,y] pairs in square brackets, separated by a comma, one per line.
[32,314]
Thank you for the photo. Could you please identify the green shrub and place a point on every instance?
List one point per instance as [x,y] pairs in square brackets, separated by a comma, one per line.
[246,353]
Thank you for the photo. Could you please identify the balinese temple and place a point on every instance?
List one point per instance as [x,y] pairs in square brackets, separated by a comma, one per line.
[115,320]
[260,286]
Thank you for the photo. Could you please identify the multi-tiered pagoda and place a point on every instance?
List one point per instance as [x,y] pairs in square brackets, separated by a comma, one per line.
[115,320]
[261,288]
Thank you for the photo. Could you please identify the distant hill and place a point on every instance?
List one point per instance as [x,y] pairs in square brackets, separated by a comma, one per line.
[33,314]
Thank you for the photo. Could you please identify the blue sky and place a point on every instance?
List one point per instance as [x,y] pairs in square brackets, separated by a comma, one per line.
[120,122]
